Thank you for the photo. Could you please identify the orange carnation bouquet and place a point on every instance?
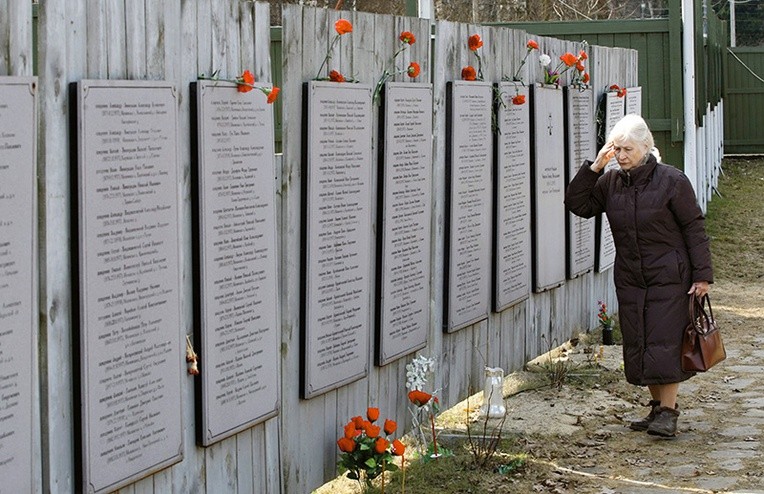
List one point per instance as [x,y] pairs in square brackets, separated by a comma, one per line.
[367,449]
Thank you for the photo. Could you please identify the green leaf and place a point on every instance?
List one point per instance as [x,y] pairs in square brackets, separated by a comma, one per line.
[371,463]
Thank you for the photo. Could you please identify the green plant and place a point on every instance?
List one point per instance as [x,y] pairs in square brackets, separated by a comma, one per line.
[366,454]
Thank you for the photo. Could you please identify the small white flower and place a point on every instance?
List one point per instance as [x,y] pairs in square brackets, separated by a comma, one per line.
[545,60]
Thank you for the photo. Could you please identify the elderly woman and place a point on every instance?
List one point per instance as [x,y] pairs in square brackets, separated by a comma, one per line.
[662,255]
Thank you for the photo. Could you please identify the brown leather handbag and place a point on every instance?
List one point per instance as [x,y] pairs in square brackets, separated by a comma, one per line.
[702,347]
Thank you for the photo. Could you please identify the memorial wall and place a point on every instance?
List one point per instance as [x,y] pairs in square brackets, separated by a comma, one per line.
[18,280]
[127,269]
[235,258]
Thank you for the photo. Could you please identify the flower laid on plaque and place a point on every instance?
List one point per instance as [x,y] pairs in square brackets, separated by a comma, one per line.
[610,111]
[568,61]
[127,288]
[512,184]
[19,314]
[517,97]
[469,162]
[581,142]
[336,254]
[406,39]
[404,239]
[235,258]
[548,187]
[341,28]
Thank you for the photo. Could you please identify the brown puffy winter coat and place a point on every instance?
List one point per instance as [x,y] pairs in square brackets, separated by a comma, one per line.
[661,249]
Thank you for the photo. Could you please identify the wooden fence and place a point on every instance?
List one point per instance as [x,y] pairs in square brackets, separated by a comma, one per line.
[744,100]
[176,41]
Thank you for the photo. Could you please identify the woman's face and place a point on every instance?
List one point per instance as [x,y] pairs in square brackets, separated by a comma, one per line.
[628,154]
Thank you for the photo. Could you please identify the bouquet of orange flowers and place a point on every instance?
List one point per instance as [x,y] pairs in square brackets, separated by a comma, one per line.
[366,453]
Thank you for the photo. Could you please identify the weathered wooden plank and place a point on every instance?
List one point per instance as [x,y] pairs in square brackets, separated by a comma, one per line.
[135,14]
[246,443]
[96,36]
[247,59]
[231,34]
[19,38]
[218,42]
[156,39]
[304,46]
[182,27]
[5,38]
[204,32]
[116,39]
[262,42]
[220,467]
[61,28]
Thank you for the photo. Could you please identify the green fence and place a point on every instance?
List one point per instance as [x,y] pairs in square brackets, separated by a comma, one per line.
[744,101]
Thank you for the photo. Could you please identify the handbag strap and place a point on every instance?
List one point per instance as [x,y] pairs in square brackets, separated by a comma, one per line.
[697,309]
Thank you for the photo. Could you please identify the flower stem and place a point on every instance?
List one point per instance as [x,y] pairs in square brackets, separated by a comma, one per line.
[434,439]
[328,55]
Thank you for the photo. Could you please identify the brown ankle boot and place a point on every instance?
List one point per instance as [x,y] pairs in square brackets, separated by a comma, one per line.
[644,423]
[664,423]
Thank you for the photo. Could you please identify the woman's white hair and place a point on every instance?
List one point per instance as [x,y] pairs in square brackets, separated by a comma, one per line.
[633,128]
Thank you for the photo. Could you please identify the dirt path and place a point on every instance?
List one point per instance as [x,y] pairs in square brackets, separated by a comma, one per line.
[581,433]
[718,448]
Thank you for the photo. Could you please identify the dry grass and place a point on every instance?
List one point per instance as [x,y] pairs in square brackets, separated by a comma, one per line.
[735,221]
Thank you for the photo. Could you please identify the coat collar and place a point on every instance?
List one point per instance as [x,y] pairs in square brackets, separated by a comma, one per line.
[640,174]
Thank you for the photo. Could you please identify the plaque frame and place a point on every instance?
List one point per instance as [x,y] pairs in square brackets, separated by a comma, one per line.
[202,264]
[420,336]
[633,103]
[307,390]
[505,89]
[78,91]
[25,481]
[604,245]
[449,324]
[577,227]
[554,146]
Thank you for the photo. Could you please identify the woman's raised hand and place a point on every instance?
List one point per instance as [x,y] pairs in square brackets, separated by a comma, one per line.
[603,157]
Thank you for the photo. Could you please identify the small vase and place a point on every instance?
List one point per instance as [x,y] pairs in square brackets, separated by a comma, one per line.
[607,335]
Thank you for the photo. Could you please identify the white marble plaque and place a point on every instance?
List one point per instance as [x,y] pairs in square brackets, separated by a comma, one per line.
[128,280]
[581,138]
[634,100]
[337,263]
[468,238]
[236,236]
[605,256]
[548,177]
[18,281]
[403,309]
[512,242]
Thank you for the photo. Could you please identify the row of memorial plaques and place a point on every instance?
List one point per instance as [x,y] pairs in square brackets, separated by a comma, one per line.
[128,285]
[18,280]
[338,202]
[615,107]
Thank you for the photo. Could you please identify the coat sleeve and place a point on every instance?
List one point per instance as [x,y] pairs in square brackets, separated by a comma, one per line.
[689,217]
[585,196]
